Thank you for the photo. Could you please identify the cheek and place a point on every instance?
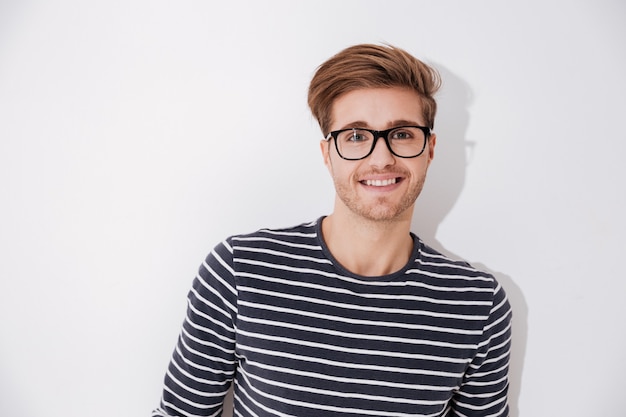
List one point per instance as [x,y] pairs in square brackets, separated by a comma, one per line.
[331,159]
[340,170]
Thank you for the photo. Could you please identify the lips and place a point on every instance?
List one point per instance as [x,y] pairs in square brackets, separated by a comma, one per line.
[380,183]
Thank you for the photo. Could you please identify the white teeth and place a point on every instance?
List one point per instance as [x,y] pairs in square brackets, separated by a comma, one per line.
[380,183]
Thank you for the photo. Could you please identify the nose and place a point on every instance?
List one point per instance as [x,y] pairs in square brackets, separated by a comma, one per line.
[381,156]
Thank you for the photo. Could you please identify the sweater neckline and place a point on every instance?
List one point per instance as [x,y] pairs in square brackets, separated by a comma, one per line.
[415,254]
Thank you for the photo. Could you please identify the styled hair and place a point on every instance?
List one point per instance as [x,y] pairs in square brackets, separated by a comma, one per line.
[371,66]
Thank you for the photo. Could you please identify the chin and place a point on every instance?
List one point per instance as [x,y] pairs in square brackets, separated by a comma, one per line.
[385,214]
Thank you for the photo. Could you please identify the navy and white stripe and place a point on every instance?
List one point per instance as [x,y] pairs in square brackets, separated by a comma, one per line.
[302,336]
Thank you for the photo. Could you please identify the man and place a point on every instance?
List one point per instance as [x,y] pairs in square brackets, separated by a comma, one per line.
[349,315]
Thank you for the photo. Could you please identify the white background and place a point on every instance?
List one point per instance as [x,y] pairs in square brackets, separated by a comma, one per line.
[135,135]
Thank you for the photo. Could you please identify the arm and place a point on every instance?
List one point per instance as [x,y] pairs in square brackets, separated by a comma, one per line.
[484,389]
[203,364]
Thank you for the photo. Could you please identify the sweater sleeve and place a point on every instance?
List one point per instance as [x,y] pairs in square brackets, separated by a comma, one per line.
[485,386]
[203,364]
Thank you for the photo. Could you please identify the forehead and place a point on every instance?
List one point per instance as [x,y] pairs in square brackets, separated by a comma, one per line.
[376,108]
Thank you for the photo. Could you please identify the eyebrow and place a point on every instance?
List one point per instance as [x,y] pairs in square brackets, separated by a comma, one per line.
[364,125]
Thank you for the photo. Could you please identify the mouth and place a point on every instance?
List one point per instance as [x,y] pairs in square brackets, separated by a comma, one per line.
[381,183]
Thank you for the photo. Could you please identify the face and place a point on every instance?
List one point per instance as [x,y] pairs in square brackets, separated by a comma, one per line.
[381,187]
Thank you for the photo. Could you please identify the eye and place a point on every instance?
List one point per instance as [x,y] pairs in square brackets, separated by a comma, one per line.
[357,137]
[402,134]
[354,136]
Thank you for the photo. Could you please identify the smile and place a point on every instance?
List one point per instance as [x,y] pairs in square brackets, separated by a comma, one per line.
[380,183]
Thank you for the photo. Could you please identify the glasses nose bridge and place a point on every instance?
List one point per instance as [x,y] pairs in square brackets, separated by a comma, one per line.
[388,152]
[381,134]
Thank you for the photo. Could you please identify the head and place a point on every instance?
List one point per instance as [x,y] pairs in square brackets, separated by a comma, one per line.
[371,66]
[375,87]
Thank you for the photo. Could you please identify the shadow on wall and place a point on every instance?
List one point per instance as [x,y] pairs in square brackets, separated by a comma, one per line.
[446,179]
[446,175]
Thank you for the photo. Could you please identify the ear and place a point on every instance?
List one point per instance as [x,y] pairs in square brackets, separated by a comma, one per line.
[325,148]
[432,141]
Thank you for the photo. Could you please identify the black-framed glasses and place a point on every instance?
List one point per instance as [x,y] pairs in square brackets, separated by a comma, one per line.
[358,143]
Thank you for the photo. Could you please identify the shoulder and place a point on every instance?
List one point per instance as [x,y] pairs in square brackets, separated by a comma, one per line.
[455,274]
[277,245]
[471,288]
[431,260]
[301,235]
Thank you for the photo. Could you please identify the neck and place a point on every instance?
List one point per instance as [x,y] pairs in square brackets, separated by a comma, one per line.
[368,247]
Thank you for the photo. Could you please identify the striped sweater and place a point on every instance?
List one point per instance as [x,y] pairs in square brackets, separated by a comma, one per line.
[299,335]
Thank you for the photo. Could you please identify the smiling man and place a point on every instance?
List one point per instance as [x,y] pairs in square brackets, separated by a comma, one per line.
[352,314]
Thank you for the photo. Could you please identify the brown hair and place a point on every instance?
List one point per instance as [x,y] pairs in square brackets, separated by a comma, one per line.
[371,66]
